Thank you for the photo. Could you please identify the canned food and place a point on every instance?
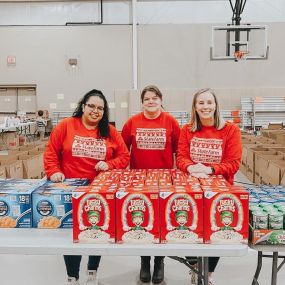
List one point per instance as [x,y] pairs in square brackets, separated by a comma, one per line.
[267,199]
[260,220]
[265,204]
[275,221]
[254,200]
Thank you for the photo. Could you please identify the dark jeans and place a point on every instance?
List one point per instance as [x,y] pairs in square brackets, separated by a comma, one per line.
[72,263]
[156,258]
[213,261]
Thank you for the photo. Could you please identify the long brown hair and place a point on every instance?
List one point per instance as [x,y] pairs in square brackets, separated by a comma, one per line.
[195,122]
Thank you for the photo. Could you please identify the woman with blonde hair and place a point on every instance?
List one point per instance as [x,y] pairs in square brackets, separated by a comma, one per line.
[208,145]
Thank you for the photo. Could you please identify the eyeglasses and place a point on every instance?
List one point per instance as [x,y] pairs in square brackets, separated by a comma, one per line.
[94,107]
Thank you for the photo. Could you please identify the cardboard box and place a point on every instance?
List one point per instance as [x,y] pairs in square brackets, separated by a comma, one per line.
[52,204]
[3,172]
[251,163]
[40,155]
[226,215]
[267,237]
[27,147]
[137,215]
[275,126]
[275,172]
[16,204]
[10,139]
[276,135]
[181,215]
[94,214]
[31,166]
[14,168]
[262,171]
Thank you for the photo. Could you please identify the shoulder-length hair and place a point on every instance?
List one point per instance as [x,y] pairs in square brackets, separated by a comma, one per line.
[151,88]
[195,122]
[103,126]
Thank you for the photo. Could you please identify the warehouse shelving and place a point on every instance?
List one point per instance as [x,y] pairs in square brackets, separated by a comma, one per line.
[260,111]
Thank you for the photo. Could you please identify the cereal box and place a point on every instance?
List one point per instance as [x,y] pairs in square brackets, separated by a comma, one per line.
[137,215]
[226,215]
[181,215]
[94,214]
[16,203]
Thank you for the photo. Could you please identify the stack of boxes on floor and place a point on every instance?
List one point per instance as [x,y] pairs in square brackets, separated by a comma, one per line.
[23,161]
[131,206]
[263,157]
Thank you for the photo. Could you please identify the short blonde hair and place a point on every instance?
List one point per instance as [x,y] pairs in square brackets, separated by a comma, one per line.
[195,122]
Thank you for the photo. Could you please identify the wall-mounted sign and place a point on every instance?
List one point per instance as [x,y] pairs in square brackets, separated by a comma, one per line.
[11,60]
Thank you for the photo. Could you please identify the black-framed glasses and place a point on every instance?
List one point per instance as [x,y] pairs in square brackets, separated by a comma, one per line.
[94,107]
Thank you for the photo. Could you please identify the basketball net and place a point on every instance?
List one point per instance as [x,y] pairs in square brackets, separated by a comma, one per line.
[240,55]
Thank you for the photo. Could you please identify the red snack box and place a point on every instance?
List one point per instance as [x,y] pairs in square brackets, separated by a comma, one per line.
[226,215]
[215,180]
[181,215]
[137,212]
[93,215]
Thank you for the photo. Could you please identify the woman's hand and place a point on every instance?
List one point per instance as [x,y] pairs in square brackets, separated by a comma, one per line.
[101,166]
[199,168]
[199,175]
[57,177]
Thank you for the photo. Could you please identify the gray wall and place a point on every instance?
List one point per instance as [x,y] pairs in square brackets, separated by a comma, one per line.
[175,57]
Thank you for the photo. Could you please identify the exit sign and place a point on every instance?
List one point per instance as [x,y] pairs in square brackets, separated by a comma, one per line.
[11,60]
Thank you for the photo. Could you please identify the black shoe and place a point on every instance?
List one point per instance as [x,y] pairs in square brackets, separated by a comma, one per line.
[145,270]
[158,272]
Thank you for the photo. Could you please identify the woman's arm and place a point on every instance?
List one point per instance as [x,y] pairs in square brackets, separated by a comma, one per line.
[183,151]
[121,155]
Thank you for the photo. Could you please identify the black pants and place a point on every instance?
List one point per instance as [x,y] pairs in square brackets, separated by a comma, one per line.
[213,261]
[156,258]
[72,263]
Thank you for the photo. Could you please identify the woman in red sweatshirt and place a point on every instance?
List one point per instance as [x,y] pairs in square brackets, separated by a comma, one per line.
[152,137]
[81,147]
[208,145]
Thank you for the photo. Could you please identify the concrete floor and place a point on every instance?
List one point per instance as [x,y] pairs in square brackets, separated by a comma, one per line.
[50,270]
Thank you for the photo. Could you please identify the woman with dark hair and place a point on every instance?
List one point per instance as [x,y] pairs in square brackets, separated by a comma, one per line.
[152,137]
[208,145]
[81,147]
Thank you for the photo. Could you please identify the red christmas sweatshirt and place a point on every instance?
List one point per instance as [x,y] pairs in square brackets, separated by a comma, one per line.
[152,142]
[74,150]
[220,149]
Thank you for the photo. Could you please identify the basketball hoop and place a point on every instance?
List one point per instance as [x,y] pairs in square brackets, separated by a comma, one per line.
[240,55]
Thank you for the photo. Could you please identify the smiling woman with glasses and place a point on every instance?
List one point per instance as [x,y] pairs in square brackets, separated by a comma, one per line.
[81,147]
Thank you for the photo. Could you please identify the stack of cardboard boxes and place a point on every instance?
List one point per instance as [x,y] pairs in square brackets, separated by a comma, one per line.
[23,161]
[263,157]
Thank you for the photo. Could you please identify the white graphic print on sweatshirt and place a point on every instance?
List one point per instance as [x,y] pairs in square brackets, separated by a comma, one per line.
[89,147]
[205,150]
[151,139]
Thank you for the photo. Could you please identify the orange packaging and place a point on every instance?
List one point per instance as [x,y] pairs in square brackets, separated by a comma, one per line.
[181,215]
[226,215]
[215,180]
[137,212]
[93,214]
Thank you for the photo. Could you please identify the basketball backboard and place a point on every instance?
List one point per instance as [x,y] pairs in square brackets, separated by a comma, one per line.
[235,42]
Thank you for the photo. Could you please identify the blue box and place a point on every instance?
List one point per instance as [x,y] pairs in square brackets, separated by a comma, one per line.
[16,203]
[52,204]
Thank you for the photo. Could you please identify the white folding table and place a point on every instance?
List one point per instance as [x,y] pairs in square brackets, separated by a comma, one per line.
[263,251]
[59,242]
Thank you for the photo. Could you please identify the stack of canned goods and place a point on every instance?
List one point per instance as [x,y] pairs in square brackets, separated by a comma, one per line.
[267,207]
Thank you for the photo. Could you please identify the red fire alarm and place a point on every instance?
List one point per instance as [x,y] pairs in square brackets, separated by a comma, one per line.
[11,60]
